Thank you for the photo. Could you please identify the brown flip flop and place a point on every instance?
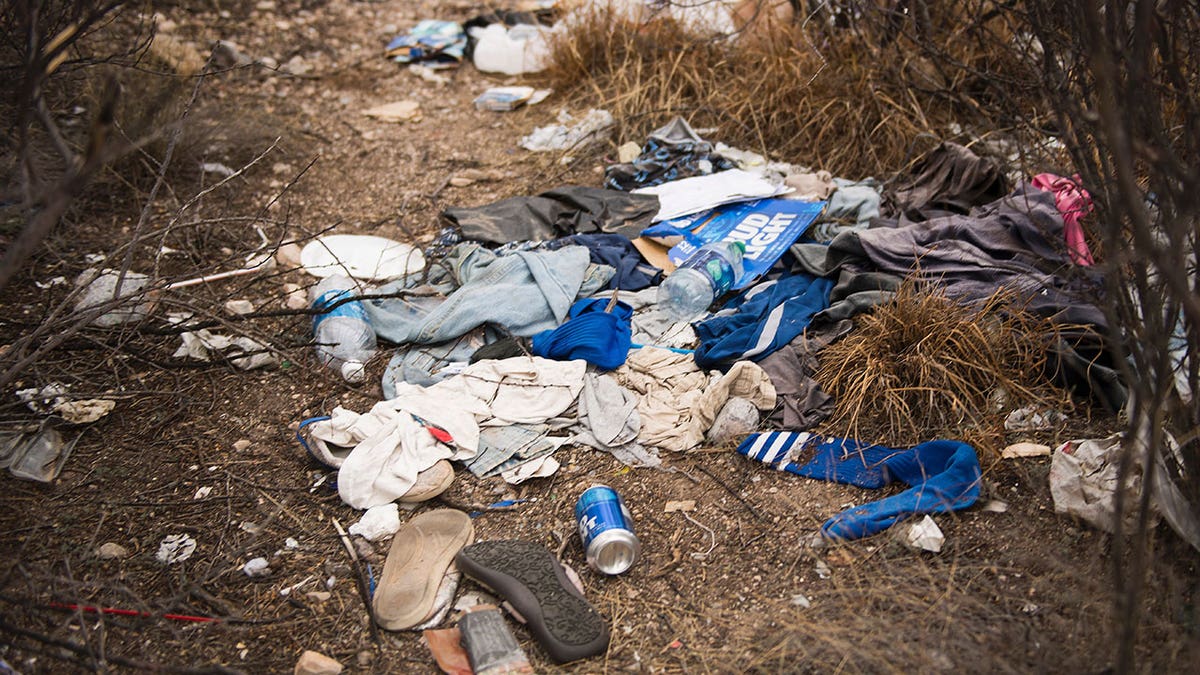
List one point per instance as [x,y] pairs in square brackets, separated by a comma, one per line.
[421,551]
[430,483]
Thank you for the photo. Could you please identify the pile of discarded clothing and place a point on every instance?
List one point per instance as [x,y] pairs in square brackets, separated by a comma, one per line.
[536,322]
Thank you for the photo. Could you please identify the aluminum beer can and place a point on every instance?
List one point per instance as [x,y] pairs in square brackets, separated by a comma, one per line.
[606,529]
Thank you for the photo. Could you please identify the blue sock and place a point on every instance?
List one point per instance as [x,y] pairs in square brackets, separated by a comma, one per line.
[942,475]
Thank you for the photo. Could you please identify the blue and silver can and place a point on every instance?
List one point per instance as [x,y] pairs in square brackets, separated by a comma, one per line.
[606,529]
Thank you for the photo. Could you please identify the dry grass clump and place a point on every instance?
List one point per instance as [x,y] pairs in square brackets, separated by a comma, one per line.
[850,100]
[925,365]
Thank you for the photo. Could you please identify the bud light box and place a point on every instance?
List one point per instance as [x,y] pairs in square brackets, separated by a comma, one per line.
[766,226]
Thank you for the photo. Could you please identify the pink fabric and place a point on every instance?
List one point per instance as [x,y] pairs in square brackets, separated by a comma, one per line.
[1073,203]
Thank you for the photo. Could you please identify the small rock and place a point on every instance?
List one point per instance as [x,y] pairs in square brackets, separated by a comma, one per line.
[318,596]
[628,152]
[241,445]
[994,506]
[203,492]
[239,307]
[111,551]
[461,181]
[288,255]
[365,659]
[316,663]
[217,168]
[365,550]
[296,297]
[1025,450]
[801,600]
[256,567]
[737,418]
[297,66]
[228,55]
[164,24]
[941,662]
[814,541]
[265,5]
[428,74]
[400,111]
[681,505]
[477,175]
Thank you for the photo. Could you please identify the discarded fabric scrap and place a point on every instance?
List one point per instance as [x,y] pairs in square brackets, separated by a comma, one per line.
[593,332]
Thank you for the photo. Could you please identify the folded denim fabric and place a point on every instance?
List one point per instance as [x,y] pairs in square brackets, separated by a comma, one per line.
[525,293]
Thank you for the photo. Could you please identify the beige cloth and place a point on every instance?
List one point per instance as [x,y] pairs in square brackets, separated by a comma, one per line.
[679,402]
[520,390]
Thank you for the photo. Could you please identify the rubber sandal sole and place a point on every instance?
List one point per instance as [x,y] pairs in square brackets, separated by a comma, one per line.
[421,551]
[532,580]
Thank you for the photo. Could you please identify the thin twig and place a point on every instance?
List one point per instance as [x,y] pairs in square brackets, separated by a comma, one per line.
[363,589]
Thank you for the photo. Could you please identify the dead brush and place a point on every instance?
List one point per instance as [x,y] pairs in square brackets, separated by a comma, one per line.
[925,365]
[849,101]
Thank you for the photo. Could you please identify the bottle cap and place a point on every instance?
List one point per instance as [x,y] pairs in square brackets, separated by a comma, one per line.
[741,245]
[354,372]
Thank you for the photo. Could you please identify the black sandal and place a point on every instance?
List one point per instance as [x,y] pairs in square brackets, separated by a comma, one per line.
[532,580]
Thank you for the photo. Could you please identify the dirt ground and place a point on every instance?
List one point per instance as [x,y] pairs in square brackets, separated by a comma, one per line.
[728,587]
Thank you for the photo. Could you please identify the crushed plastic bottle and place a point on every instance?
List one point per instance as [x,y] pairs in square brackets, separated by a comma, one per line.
[712,270]
[517,50]
[345,339]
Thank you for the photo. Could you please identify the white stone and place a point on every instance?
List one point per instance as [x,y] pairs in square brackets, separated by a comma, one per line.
[239,307]
[737,418]
[288,255]
[111,551]
[316,663]
[256,567]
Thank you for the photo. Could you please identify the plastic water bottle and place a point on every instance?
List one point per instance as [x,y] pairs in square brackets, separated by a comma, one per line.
[345,339]
[706,274]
